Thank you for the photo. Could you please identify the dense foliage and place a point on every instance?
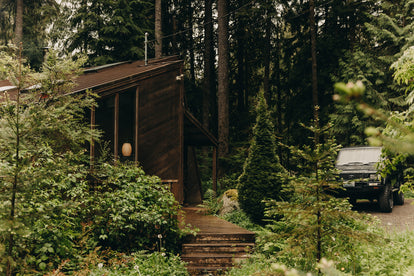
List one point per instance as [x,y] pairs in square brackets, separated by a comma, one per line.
[263,177]
[314,222]
[372,259]
[108,31]
[130,210]
[55,211]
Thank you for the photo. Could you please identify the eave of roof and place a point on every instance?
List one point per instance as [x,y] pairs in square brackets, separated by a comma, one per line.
[195,134]
[103,76]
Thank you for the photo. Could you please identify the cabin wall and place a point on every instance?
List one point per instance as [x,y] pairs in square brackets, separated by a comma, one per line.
[160,131]
[146,112]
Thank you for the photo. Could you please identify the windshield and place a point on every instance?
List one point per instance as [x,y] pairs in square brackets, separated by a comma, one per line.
[359,156]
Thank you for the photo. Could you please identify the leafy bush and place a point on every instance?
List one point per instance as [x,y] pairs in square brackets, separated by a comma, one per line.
[42,155]
[263,176]
[51,214]
[211,203]
[142,263]
[240,218]
[130,210]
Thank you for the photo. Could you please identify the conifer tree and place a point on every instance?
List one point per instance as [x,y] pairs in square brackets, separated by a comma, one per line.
[263,176]
[380,41]
[313,220]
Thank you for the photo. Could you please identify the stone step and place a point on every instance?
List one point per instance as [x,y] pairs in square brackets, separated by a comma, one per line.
[217,247]
[220,238]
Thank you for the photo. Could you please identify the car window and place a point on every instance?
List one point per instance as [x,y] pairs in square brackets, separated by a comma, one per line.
[363,155]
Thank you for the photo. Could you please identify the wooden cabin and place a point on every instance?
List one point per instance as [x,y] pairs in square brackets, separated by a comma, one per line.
[142,113]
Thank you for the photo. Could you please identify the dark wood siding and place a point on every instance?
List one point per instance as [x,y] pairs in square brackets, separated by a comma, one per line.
[159,125]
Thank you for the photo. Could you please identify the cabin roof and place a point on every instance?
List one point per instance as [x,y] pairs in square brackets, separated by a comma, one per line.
[104,75]
[110,75]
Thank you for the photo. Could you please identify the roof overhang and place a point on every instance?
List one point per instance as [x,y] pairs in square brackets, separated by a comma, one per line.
[195,134]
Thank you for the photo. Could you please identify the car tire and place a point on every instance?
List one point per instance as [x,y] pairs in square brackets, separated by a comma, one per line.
[386,199]
[398,198]
[352,201]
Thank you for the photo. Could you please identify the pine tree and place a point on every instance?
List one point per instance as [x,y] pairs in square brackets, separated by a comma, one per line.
[263,177]
[110,31]
[313,220]
[377,44]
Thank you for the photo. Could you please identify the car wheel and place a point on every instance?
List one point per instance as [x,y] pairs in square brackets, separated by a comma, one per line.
[352,201]
[399,198]
[386,199]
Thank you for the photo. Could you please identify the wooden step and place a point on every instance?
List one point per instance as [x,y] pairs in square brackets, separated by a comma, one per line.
[219,260]
[220,238]
[205,271]
[217,247]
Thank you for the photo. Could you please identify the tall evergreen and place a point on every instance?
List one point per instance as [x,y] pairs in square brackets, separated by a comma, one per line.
[377,44]
[263,176]
[27,21]
[110,31]
[313,221]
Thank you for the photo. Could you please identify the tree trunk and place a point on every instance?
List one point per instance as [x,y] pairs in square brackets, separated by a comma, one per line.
[314,63]
[18,32]
[223,78]
[209,86]
[241,71]
[191,41]
[316,118]
[158,29]
[266,79]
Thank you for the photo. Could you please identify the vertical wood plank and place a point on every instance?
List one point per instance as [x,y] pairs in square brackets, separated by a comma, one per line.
[116,126]
[136,125]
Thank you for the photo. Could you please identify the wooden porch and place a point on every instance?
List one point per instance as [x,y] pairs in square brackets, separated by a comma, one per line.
[217,246]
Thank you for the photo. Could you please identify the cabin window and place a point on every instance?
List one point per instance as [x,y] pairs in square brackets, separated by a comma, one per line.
[117,118]
[126,139]
[104,120]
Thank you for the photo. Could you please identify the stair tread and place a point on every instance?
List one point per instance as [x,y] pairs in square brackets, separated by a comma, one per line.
[218,244]
[212,255]
[206,268]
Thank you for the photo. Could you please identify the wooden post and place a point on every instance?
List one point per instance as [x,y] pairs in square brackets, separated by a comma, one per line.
[116,126]
[92,142]
[136,125]
[214,176]
[181,130]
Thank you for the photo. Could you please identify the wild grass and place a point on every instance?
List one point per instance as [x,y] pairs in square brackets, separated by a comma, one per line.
[391,254]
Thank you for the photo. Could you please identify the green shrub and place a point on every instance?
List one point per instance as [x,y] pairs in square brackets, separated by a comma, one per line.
[43,179]
[157,263]
[133,211]
[263,176]
[211,203]
[240,218]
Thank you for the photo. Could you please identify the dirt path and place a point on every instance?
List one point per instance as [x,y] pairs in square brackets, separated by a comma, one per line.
[401,218]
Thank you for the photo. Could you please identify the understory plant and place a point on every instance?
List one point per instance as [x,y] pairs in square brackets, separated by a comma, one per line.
[42,163]
[131,210]
[314,224]
[141,263]
[55,212]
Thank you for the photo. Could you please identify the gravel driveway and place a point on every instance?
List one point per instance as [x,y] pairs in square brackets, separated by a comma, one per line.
[401,218]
